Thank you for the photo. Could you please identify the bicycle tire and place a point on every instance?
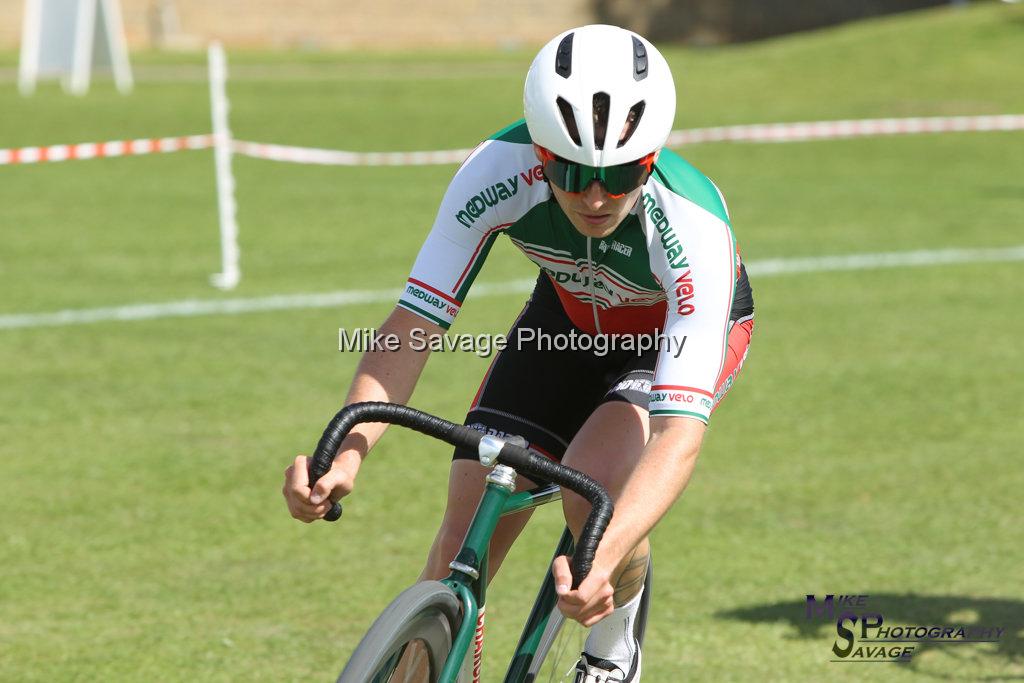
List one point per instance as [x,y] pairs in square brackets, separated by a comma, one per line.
[428,613]
[560,640]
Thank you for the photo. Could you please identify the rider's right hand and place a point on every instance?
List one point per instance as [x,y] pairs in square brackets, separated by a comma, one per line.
[309,505]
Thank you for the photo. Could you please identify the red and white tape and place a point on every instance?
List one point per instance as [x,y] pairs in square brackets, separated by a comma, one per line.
[334,157]
[98,150]
[825,130]
[769,132]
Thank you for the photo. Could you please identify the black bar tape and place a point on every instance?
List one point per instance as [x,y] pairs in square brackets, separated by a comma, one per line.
[391,413]
[522,460]
[533,465]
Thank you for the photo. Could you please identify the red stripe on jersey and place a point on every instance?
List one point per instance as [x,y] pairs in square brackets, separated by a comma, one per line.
[615,320]
[581,265]
[603,300]
[472,259]
[739,343]
[441,294]
[545,257]
[676,387]
[618,282]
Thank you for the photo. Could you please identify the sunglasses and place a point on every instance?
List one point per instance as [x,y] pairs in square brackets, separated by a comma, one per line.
[574,178]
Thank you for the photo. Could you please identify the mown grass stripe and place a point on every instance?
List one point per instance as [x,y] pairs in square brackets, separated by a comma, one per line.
[757,269]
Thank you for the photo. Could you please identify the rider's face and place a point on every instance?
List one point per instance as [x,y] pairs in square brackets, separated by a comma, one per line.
[594,212]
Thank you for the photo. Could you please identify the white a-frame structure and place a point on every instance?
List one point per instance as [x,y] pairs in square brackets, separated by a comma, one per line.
[66,39]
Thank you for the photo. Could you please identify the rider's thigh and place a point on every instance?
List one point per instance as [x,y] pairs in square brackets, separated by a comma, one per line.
[466,481]
[607,448]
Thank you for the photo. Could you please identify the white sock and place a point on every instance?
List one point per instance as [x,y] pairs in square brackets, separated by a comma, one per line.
[612,637]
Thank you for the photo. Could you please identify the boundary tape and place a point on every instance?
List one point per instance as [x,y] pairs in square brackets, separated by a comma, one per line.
[99,150]
[338,299]
[832,130]
[768,132]
[337,157]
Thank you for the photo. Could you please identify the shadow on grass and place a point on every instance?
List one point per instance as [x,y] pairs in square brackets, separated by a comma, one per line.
[907,609]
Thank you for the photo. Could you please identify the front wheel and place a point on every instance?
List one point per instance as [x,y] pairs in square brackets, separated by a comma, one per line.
[410,640]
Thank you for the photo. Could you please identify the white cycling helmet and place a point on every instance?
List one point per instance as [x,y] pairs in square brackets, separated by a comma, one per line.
[599,95]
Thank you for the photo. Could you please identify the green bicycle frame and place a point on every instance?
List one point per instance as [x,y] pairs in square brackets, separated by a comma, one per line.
[469,573]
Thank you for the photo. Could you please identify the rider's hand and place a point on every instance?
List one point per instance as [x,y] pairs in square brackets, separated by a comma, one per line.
[309,505]
[592,601]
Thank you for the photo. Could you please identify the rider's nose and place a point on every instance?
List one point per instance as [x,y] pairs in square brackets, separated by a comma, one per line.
[594,196]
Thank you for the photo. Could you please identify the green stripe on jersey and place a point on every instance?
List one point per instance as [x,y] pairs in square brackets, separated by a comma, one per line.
[426,314]
[474,269]
[678,175]
[517,132]
[687,413]
[547,251]
[624,254]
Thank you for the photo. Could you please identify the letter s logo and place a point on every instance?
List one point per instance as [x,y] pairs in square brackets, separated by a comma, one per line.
[844,633]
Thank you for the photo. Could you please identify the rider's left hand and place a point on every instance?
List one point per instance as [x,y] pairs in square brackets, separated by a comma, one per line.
[592,601]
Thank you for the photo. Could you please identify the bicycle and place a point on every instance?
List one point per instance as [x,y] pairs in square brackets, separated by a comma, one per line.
[425,634]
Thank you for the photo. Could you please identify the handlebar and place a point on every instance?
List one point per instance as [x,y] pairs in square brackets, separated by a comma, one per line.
[520,459]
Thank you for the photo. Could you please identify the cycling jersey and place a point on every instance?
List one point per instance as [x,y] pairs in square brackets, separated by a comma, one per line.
[671,265]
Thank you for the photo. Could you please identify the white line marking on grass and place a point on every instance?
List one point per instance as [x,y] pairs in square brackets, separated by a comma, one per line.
[894,259]
[762,268]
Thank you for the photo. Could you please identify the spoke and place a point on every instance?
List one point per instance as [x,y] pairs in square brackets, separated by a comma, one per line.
[564,652]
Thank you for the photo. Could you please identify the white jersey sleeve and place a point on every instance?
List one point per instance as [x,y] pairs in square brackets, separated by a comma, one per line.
[489,193]
[693,255]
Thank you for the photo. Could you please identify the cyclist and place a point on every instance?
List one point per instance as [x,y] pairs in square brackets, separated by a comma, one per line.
[631,240]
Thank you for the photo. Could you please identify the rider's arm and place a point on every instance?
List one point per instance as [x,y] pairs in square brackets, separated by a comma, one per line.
[698,275]
[387,376]
[381,376]
[491,189]
[664,469]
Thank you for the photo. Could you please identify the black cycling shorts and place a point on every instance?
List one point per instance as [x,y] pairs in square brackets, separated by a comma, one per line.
[546,395]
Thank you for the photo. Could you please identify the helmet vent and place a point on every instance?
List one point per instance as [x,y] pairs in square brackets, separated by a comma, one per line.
[602,103]
[632,121]
[639,60]
[563,57]
[569,119]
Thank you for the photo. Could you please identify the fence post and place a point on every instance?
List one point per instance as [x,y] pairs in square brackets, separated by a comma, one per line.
[230,273]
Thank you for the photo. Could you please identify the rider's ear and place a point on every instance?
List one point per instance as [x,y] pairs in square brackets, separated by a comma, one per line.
[537,152]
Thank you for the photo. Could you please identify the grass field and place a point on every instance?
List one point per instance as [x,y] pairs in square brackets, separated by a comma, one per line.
[872,445]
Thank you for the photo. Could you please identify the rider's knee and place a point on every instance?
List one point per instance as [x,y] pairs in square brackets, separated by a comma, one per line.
[576,510]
